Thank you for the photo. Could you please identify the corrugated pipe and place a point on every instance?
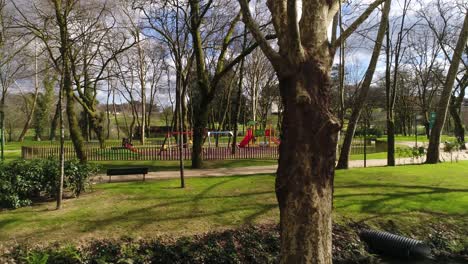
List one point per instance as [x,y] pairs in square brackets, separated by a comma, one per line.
[393,245]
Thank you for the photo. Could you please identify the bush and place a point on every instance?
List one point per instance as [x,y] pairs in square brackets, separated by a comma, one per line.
[246,245]
[370,132]
[22,181]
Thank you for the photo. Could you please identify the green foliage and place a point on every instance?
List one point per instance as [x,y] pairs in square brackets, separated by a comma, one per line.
[25,180]
[252,244]
[247,245]
[36,257]
[451,146]
[78,175]
[370,132]
[418,152]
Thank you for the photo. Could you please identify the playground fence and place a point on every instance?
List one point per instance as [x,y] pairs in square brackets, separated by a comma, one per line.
[150,153]
[113,151]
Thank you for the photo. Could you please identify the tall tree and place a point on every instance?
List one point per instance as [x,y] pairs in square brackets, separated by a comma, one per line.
[358,105]
[32,108]
[304,182]
[394,56]
[442,107]
[52,27]
[207,81]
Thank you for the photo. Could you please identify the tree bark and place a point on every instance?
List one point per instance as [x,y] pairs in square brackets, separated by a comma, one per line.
[442,107]
[459,129]
[389,105]
[75,133]
[200,121]
[304,183]
[30,116]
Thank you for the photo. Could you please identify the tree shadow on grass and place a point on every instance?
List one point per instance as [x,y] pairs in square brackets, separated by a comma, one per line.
[164,210]
[393,199]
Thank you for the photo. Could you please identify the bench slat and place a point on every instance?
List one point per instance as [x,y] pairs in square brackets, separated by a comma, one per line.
[127,171]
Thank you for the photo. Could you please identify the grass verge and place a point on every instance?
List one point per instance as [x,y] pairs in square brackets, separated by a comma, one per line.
[405,196]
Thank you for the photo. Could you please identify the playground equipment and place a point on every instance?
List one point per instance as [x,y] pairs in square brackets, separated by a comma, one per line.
[269,137]
[217,133]
[128,145]
[167,139]
[245,141]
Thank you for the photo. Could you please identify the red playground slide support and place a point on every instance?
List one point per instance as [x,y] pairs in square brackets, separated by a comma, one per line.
[246,139]
[275,140]
[131,147]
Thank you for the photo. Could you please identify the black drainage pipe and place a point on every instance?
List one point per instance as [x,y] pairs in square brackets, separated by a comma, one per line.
[393,245]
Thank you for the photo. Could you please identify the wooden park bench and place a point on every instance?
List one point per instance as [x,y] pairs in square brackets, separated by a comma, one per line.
[127,171]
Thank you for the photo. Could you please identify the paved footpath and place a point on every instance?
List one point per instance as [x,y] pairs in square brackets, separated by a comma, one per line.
[158,175]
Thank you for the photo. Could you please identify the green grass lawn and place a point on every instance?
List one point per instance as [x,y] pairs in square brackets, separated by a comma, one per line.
[410,196]
[421,138]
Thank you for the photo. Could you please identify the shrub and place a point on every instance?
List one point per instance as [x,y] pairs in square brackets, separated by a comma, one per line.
[370,132]
[78,175]
[21,181]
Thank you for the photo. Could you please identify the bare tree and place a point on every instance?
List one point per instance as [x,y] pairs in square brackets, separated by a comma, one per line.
[10,67]
[304,183]
[442,106]
[210,71]
[364,90]
[422,57]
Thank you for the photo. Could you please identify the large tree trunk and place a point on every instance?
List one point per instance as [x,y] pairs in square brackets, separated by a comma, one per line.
[459,129]
[97,125]
[442,107]
[304,183]
[75,133]
[200,121]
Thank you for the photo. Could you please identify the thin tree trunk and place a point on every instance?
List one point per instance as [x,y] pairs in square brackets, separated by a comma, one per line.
[54,123]
[2,127]
[30,116]
[108,119]
[343,161]
[389,94]
[114,109]
[239,100]
[62,151]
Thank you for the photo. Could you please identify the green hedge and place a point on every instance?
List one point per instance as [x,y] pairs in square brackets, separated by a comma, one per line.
[22,181]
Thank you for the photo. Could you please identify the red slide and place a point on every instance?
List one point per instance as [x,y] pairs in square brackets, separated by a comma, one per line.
[246,139]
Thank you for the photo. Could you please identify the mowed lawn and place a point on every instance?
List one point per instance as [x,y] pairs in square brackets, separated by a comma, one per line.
[407,195]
